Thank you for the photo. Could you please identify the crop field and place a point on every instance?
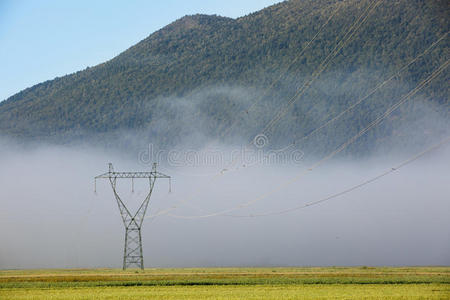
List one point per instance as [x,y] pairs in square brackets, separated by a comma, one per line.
[229,283]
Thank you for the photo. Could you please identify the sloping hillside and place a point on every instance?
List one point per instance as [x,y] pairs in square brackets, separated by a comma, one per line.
[202,74]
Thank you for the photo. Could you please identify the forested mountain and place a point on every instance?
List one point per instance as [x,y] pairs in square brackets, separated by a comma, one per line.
[209,77]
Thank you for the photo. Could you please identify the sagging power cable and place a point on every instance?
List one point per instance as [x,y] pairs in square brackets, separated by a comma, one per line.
[333,153]
[348,190]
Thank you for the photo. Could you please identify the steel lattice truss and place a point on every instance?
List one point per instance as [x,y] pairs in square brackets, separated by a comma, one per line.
[133,255]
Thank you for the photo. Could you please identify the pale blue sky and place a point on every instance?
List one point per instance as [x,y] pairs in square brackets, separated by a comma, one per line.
[43,39]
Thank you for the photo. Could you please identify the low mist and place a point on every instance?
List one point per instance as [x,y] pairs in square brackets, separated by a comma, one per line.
[51,217]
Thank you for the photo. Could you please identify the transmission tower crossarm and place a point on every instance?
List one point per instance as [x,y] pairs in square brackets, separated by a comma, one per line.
[133,175]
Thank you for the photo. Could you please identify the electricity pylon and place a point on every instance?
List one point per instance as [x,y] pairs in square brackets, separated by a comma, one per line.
[133,255]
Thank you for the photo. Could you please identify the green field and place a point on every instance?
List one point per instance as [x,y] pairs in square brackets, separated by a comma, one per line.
[229,283]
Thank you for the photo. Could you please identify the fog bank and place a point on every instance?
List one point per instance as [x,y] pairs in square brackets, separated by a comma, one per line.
[51,218]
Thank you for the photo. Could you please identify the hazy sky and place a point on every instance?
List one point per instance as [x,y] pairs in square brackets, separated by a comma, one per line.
[43,39]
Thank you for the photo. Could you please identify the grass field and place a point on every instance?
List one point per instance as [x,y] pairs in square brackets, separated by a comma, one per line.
[229,283]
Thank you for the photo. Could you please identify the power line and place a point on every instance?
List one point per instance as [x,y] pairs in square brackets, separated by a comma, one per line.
[343,42]
[371,180]
[332,154]
[348,36]
[355,104]
[369,94]
[350,32]
[355,26]
[298,56]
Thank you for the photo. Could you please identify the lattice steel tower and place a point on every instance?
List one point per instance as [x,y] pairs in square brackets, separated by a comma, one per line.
[132,255]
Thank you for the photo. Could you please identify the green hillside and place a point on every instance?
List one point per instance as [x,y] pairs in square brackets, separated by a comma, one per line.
[190,81]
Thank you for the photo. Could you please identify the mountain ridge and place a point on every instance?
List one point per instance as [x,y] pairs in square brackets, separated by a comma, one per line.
[186,57]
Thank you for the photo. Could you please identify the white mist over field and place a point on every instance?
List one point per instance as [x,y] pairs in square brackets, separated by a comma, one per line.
[51,218]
